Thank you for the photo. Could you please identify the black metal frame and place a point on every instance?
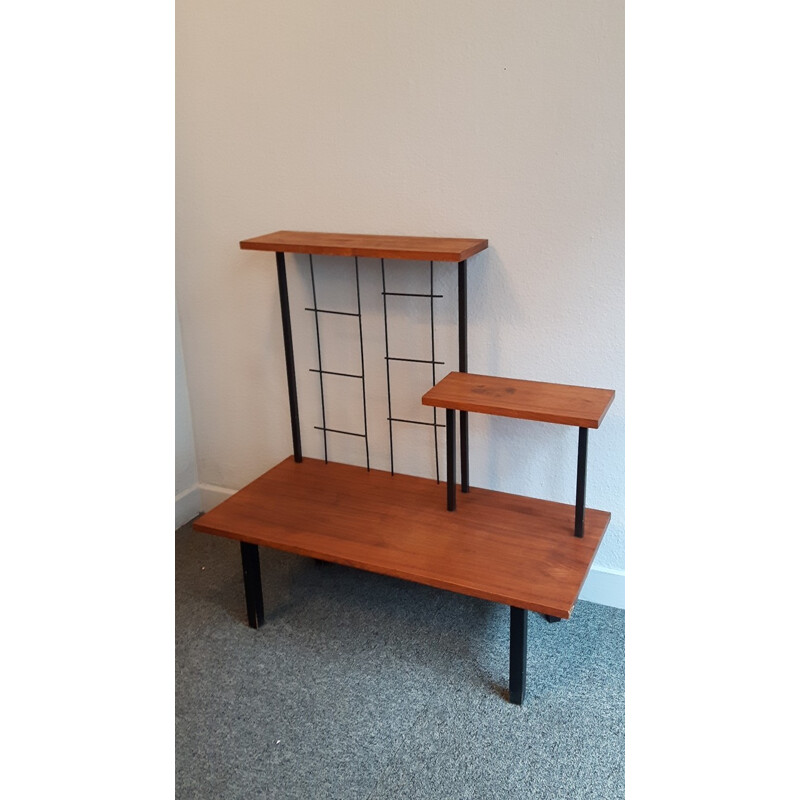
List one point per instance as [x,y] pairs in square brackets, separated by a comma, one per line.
[288,348]
[432,361]
[292,379]
[362,377]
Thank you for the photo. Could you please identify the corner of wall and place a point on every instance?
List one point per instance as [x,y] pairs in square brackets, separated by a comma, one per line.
[605,587]
[188,504]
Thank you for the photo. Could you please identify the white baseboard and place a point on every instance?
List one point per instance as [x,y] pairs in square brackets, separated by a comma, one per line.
[213,495]
[605,587]
[188,504]
[198,499]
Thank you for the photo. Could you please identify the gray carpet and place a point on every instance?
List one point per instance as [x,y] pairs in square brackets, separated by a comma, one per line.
[362,686]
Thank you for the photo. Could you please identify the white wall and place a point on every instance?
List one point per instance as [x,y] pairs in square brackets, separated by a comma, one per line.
[187,492]
[501,120]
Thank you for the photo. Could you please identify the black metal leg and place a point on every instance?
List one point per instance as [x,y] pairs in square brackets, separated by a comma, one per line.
[462,367]
[518,655]
[580,493]
[286,320]
[450,424]
[251,567]
[551,618]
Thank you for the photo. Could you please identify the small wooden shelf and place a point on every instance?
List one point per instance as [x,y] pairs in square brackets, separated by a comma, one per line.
[504,548]
[415,248]
[508,397]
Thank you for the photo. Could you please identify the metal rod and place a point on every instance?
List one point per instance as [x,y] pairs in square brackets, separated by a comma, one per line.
[433,382]
[518,655]
[414,360]
[462,316]
[341,374]
[288,348]
[335,430]
[462,367]
[363,380]
[409,294]
[319,357]
[388,382]
[416,422]
[580,492]
[328,311]
[450,420]
[251,571]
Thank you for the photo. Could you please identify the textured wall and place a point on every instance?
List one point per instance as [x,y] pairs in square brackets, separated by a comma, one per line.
[501,120]
[185,460]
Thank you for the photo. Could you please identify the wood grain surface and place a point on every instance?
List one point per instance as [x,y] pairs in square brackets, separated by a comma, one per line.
[415,248]
[508,397]
[499,547]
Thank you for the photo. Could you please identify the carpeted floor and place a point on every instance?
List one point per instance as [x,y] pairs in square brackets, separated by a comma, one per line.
[362,686]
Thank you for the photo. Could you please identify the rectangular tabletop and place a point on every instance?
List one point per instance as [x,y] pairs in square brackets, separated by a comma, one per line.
[499,547]
[507,397]
[414,248]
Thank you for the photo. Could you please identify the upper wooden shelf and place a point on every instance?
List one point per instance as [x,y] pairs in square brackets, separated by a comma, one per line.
[506,397]
[414,248]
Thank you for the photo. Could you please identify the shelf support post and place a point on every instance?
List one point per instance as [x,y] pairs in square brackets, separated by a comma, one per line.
[518,655]
[251,568]
[580,492]
[462,367]
[450,424]
[288,348]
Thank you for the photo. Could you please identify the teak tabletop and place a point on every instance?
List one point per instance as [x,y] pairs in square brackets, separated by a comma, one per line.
[504,548]
[508,397]
[414,248]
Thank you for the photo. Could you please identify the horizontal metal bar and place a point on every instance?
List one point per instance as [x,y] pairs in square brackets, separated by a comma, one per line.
[409,294]
[327,311]
[343,374]
[333,430]
[415,360]
[416,422]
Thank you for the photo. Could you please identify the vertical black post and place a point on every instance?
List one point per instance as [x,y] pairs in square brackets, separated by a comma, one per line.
[388,381]
[433,383]
[288,348]
[462,367]
[450,425]
[580,493]
[251,567]
[363,373]
[518,655]
[319,358]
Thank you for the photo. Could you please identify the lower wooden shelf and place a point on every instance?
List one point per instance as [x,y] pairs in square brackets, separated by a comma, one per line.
[500,547]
